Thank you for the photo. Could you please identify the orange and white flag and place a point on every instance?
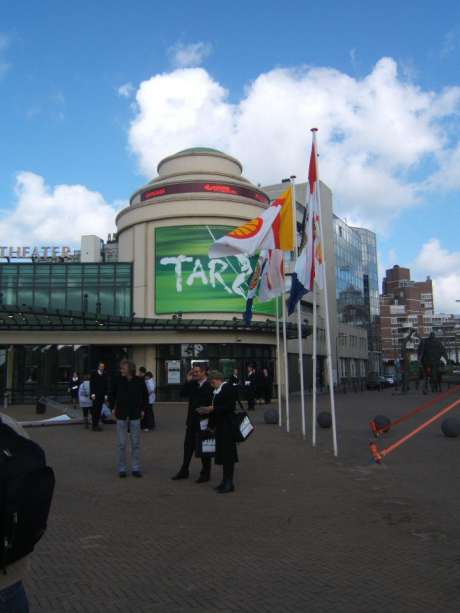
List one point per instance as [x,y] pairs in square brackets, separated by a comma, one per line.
[273,229]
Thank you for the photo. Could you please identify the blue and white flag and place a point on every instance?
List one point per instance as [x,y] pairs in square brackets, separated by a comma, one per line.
[254,283]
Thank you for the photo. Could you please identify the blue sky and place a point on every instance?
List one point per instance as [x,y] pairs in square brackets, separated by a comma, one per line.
[64,121]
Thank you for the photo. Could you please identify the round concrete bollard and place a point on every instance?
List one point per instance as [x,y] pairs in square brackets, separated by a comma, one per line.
[271,416]
[382,422]
[451,427]
[324,420]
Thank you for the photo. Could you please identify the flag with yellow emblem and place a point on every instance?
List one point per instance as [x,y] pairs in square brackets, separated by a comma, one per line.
[273,229]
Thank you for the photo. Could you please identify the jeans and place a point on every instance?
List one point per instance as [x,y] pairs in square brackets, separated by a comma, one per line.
[135,436]
[13,599]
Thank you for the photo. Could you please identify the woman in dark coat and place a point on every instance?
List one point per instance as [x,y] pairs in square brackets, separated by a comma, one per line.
[220,419]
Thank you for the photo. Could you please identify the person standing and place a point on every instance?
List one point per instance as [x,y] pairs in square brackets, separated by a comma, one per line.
[267,385]
[99,388]
[84,399]
[148,422]
[250,387]
[129,399]
[199,393]
[74,384]
[142,372]
[221,414]
[234,379]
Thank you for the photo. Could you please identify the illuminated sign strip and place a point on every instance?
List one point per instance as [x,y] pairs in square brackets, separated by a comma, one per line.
[204,187]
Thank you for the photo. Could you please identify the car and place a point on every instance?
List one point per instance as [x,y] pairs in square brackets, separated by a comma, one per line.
[373,381]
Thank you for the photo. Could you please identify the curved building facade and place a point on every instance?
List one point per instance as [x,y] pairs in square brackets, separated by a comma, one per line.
[180,306]
[151,293]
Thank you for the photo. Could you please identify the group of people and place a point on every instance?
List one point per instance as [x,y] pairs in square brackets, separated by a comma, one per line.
[129,401]
[95,395]
[211,404]
[256,385]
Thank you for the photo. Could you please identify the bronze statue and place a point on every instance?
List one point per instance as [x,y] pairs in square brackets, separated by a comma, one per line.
[430,352]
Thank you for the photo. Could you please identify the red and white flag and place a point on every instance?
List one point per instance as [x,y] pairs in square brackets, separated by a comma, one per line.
[309,268]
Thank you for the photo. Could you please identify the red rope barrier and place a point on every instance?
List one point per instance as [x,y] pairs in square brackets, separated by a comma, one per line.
[378,455]
[377,431]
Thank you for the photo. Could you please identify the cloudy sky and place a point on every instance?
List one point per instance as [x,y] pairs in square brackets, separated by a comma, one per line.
[93,96]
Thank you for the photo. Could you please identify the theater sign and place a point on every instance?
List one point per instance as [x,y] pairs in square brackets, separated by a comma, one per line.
[26,251]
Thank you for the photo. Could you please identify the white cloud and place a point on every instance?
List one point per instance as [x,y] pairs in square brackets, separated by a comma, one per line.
[375,132]
[193,54]
[46,215]
[444,267]
[126,90]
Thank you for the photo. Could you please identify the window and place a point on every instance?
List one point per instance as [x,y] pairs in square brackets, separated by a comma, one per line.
[64,286]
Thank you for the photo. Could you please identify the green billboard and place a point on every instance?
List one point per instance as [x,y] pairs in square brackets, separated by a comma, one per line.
[188,281]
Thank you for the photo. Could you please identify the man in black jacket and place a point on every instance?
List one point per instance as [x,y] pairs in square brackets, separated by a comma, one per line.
[200,393]
[250,387]
[99,390]
[129,398]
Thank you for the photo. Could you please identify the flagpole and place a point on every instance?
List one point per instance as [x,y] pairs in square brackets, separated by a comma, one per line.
[278,364]
[326,313]
[299,316]
[314,352]
[286,369]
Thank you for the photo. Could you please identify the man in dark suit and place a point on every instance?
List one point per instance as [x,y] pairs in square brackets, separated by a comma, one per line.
[99,391]
[200,394]
[250,387]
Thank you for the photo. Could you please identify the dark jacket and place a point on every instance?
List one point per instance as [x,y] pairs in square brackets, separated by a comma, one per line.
[221,420]
[99,385]
[250,385]
[129,398]
[198,396]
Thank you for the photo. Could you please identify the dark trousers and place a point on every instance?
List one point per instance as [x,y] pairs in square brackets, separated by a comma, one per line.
[189,449]
[251,397]
[148,422]
[228,470]
[96,411]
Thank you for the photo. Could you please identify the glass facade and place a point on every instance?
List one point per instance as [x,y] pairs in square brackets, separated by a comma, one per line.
[357,283]
[351,306]
[370,284]
[104,288]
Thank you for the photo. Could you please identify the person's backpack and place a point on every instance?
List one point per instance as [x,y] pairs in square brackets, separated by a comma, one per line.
[26,491]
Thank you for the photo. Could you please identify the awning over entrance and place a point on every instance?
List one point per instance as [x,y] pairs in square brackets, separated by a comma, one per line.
[23,318]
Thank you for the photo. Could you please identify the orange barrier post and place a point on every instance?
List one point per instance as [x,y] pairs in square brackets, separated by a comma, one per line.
[375,452]
[379,455]
[376,431]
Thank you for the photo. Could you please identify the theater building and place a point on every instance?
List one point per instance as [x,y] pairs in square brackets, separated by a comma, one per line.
[151,292]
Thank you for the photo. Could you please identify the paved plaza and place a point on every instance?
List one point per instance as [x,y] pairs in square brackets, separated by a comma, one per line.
[303,531]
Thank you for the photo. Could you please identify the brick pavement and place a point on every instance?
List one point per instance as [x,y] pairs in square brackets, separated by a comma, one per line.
[303,531]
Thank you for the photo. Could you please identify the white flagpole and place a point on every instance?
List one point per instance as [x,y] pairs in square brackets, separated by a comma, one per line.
[299,317]
[286,369]
[326,313]
[278,364]
[314,352]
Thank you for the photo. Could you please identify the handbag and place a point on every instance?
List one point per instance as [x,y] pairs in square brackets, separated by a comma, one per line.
[205,444]
[242,426]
